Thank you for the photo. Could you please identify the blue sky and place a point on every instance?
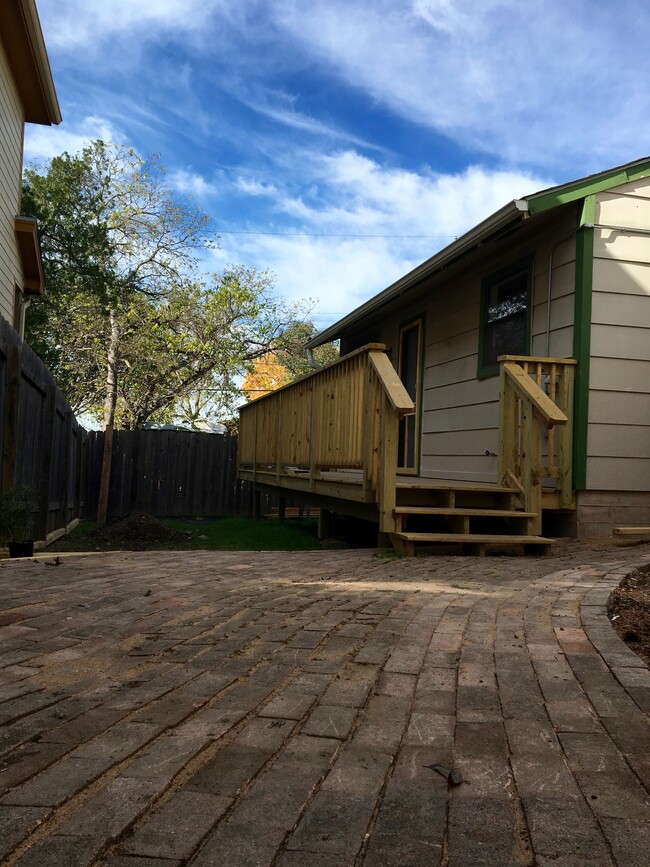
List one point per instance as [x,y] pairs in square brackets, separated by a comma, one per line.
[341,142]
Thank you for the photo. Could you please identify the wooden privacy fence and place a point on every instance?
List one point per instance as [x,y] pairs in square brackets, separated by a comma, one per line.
[44,449]
[170,473]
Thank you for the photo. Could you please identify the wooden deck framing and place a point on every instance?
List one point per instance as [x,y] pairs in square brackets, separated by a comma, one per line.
[331,438]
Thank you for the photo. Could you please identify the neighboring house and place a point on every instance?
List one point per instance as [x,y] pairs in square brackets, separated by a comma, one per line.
[560,282]
[26,95]
[42,446]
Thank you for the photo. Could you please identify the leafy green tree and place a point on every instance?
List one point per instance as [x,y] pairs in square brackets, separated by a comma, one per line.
[183,357]
[128,330]
[113,232]
[296,359]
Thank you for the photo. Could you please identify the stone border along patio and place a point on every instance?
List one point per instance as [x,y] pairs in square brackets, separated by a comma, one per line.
[250,709]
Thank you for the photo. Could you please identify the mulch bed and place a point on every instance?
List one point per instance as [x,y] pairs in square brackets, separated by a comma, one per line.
[629,612]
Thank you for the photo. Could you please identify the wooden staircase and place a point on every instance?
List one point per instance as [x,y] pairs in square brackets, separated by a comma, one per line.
[472,516]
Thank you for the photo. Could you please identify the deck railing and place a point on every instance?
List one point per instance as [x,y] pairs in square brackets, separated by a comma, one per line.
[535,441]
[342,417]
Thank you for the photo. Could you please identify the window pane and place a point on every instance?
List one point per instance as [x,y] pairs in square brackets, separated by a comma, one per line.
[504,338]
[504,328]
[507,297]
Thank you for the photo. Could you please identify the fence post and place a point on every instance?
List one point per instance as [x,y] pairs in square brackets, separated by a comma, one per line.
[11,415]
[47,438]
[78,457]
[64,495]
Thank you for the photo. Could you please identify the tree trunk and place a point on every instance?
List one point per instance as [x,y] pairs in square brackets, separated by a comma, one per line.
[109,417]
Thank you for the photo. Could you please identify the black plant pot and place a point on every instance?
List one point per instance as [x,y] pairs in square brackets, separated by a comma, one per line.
[21,549]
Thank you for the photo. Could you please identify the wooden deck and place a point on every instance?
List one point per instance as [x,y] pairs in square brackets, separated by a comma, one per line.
[330,439]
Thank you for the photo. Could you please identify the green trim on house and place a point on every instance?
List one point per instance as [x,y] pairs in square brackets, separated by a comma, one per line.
[525,264]
[584,188]
[582,338]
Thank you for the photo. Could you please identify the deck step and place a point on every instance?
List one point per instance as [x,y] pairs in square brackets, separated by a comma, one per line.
[450,510]
[476,538]
[462,487]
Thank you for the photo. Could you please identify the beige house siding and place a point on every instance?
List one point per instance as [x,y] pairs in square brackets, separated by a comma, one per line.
[460,413]
[11,150]
[618,444]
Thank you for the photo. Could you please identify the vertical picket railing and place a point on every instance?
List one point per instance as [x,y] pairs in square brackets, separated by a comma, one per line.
[342,417]
[535,433]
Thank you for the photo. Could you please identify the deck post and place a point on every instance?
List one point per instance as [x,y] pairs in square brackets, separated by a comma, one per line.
[257,504]
[326,522]
[531,470]
[387,501]
[282,509]
[313,438]
[507,429]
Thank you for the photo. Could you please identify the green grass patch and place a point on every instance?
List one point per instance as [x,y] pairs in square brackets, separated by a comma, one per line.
[244,534]
[142,533]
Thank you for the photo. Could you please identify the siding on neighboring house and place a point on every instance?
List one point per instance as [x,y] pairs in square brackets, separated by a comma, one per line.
[11,151]
[618,445]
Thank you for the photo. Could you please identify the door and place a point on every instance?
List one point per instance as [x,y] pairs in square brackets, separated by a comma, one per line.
[410,372]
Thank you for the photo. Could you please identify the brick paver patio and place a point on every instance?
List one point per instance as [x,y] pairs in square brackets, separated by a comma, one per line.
[256,709]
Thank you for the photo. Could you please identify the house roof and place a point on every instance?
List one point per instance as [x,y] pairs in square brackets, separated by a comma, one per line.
[22,39]
[501,220]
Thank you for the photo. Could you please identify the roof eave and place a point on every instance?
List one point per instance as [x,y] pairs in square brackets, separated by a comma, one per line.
[22,37]
[513,211]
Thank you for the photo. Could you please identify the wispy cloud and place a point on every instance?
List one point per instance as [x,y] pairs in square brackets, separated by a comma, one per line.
[375,131]
[72,23]
[359,225]
[485,74]
[43,143]
[192,183]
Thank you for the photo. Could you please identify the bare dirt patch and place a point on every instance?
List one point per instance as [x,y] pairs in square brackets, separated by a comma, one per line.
[629,612]
[138,531]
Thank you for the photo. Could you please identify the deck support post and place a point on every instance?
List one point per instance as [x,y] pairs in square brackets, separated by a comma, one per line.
[326,523]
[384,540]
[282,509]
[387,500]
[257,504]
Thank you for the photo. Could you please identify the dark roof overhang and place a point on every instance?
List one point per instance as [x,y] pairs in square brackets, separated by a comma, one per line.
[22,38]
[29,250]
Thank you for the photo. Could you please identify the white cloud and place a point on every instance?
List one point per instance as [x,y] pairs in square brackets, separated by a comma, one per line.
[44,142]
[403,216]
[192,183]
[280,107]
[253,187]
[76,22]
[357,194]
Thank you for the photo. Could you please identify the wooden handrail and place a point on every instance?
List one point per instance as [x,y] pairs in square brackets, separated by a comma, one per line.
[535,433]
[527,389]
[393,385]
